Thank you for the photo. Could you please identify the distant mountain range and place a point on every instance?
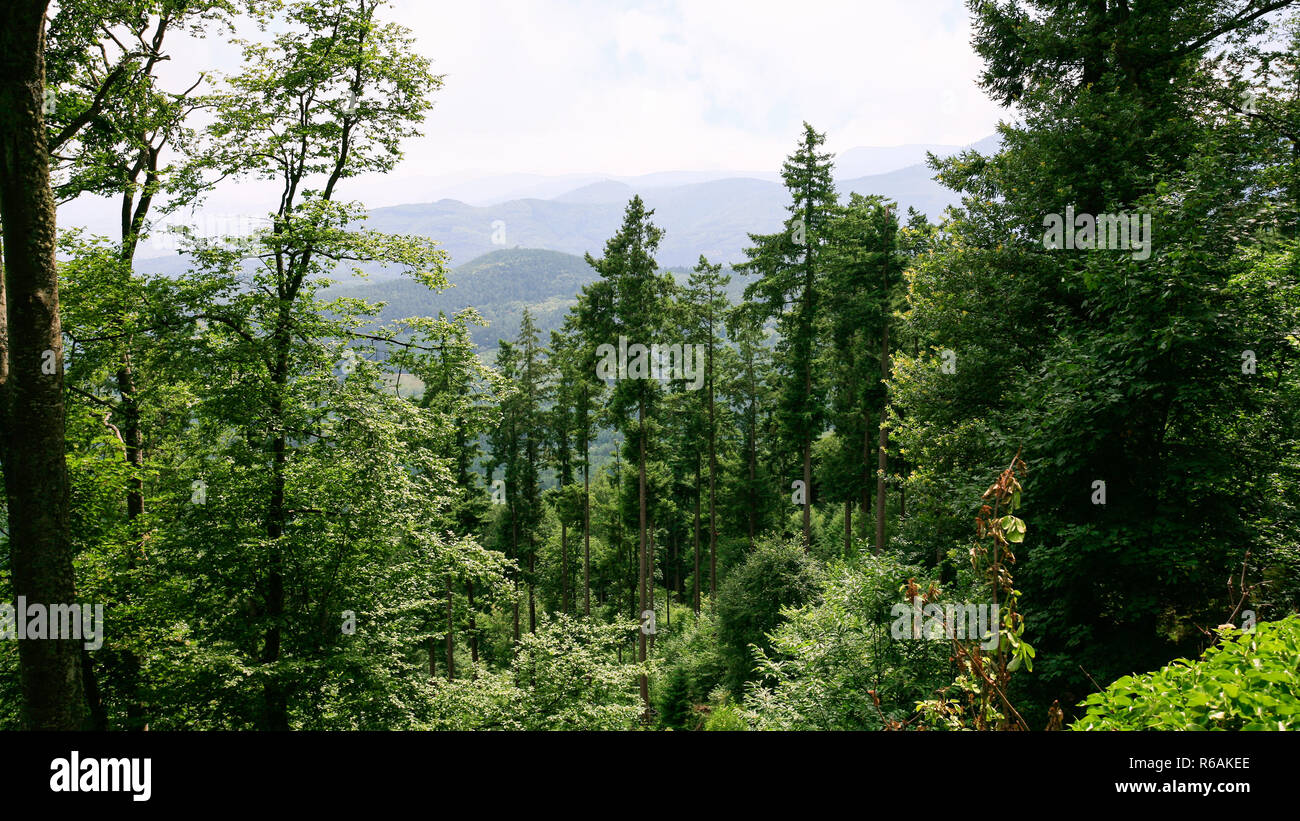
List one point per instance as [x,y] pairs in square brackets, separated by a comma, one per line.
[701,212]
[500,284]
[713,217]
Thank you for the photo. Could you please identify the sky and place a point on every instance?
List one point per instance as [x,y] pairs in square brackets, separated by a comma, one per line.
[626,88]
[623,88]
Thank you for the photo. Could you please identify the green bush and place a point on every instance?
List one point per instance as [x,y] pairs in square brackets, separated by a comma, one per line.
[778,574]
[725,716]
[829,656]
[693,668]
[1249,681]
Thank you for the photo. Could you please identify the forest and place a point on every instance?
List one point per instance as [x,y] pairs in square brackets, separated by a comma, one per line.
[1033,465]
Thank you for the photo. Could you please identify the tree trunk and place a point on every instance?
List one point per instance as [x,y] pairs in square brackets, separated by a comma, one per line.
[848,528]
[133,216]
[514,541]
[697,537]
[865,504]
[753,477]
[473,624]
[532,599]
[650,562]
[451,641]
[276,715]
[807,496]
[31,374]
[586,530]
[713,470]
[641,645]
[882,463]
[564,567]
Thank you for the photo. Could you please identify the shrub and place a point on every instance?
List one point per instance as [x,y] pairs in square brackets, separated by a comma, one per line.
[1249,681]
[777,574]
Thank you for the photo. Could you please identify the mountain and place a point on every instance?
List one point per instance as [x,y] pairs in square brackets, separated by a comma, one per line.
[499,284]
[713,217]
[603,191]
[863,162]
[913,187]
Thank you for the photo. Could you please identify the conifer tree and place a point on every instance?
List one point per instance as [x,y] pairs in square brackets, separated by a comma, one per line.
[792,286]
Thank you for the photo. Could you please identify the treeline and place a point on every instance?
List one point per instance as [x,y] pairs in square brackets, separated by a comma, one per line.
[286,535]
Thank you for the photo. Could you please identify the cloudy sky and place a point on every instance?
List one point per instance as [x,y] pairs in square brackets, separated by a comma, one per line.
[623,87]
[631,88]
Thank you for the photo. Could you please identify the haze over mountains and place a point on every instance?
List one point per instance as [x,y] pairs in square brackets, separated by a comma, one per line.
[713,217]
[500,285]
[544,225]
[702,212]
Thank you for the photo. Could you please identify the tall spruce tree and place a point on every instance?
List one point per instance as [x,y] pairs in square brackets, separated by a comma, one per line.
[637,295]
[792,286]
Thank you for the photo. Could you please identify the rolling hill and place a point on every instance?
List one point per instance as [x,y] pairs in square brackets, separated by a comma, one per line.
[500,284]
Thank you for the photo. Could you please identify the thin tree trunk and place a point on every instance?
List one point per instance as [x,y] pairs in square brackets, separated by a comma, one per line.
[514,538]
[645,683]
[473,624]
[674,561]
[713,464]
[807,496]
[697,537]
[276,703]
[882,464]
[586,530]
[650,562]
[865,504]
[753,477]
[451,640]
[564,566]
[848,528]
[94,701]
[132,217]
[532,600]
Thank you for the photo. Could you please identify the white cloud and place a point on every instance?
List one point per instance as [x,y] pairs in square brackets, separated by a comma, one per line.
[555,87]
[625,88]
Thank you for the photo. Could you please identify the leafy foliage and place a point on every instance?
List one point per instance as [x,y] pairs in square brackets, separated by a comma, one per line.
[1247,681]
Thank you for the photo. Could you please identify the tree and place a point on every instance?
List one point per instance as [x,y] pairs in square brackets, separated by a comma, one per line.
[635,292]
[329,98]
[792,287]
[31,373]
[115,122]
[706,294]
[864,271]
[776,575]
[1117,366]
[749,394]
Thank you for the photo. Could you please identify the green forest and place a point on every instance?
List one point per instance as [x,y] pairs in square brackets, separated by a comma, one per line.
[1030,465]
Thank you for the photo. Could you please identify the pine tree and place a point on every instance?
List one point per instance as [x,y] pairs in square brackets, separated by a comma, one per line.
[792,286]
[637,294]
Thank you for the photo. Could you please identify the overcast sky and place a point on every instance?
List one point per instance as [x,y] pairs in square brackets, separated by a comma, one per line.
[622,87]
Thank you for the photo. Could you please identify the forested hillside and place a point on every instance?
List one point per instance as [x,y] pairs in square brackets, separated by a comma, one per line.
[1030,464]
